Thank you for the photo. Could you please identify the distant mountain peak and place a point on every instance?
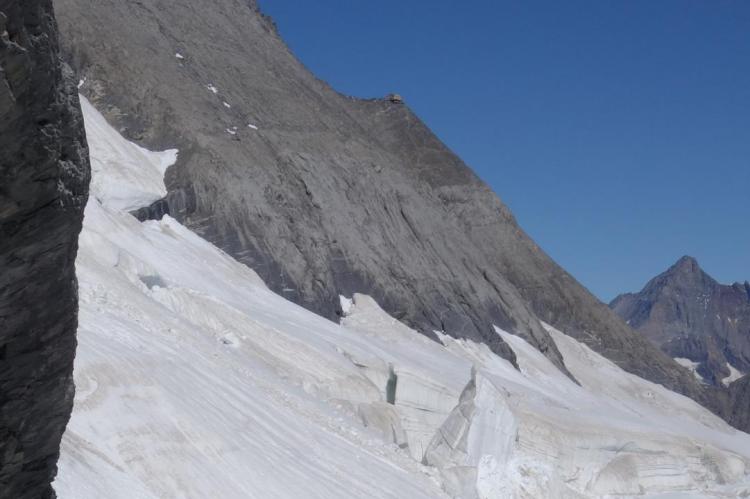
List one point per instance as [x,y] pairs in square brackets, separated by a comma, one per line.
[687,264]
[685,274]
[689,315]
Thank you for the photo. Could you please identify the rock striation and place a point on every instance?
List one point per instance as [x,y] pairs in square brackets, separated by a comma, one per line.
[689,315]
[323,194]
[44,175]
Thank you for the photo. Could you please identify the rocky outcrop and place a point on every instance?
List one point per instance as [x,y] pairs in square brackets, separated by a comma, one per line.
[739,403]
[691,316]
[44,176]
[323,194]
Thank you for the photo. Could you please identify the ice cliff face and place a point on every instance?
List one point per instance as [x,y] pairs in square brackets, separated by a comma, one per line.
[195,380]
[322,194]
[43,189]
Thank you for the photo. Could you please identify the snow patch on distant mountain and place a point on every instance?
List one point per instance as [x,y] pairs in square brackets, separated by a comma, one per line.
[734,375]
[692,366]
[194,380]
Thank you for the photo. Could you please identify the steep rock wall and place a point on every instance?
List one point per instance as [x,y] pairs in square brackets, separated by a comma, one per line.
[44,176]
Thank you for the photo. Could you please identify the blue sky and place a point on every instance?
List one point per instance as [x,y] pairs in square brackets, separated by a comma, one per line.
[617,131]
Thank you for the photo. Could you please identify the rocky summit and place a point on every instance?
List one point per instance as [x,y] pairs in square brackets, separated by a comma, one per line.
[44,174]
[693,318]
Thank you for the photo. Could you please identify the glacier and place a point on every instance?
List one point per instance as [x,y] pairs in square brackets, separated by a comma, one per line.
[194,380]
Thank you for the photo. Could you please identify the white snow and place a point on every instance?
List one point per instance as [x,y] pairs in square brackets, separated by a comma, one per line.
[124,176]
[227,105]
[538,434]
[429,380]
[194,380]
[692,366]
[250,125]
[212,88]
[734,375]
[346,304]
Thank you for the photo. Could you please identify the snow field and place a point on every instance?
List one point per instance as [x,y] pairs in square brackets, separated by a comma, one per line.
[194,380]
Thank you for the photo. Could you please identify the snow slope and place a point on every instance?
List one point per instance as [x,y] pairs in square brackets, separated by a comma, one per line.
[124,176]
[194,380]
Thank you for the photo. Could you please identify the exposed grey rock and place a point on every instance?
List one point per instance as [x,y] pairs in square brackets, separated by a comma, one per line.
[44,177]
[326,194]
[739,403]
[688,314]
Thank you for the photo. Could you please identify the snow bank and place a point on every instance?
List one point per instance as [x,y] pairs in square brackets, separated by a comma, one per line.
[428,380]
[124,176]
[535,433]
[692,366]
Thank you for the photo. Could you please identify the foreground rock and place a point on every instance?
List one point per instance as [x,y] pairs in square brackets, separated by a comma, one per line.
[43,189]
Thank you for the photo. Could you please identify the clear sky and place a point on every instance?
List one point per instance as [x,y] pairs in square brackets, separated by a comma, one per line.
[617,131]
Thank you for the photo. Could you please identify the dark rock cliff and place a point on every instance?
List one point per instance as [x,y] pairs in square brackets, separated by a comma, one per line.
[44,176]
[688,314]
[739,403]
[323,194]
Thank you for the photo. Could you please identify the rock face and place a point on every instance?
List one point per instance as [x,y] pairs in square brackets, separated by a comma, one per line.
[323,194]
[691,316]
[739,403]
[43,188]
